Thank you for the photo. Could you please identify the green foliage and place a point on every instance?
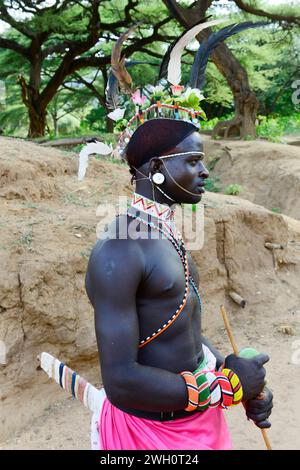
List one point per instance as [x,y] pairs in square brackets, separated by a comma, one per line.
[273,128]
[269,54]
[94,120]
[210,123]
[212,184]
[233,189]
[276,210]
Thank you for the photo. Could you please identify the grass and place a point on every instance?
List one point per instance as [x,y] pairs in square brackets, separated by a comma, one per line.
[212,184]
[86,253]
[273,128]
[31,205]
[212,163]
[74,199]
[25,239]
[233,189]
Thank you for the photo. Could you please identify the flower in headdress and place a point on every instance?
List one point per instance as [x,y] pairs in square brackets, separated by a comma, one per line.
[157,92]
[137,98]
[191,99]
[121,124]
[192,91]
[177,89]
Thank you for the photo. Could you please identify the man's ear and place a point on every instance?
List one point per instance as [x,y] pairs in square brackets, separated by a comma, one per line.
[155,165]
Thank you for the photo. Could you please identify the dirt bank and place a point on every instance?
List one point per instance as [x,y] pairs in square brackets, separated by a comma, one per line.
[48,226]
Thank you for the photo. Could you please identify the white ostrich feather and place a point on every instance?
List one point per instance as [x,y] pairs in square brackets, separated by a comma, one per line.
[117,114]
[93,147]
[174,66]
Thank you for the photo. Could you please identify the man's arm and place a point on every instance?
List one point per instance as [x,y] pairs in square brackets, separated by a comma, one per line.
[115,271]
[220,358]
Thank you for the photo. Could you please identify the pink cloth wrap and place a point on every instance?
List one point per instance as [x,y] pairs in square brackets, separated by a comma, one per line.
[201,431]
[113,429]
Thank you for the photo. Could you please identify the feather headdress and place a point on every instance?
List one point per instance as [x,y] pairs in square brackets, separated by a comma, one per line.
[166,100]
[197,75]
[118,62]
[172,60]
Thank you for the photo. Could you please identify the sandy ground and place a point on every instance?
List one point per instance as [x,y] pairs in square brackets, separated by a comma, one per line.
[40,199]
[66,424]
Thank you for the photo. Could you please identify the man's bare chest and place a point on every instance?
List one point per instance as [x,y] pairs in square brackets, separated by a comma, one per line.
[162,291]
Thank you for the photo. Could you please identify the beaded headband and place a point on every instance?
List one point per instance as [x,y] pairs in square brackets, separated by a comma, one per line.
[193,152]
[168,99]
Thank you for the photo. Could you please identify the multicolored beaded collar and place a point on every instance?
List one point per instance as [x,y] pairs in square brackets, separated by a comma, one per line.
[178,243]
[152,209]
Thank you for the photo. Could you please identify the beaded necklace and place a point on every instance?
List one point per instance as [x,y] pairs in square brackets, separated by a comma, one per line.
[183,256]
[178,243]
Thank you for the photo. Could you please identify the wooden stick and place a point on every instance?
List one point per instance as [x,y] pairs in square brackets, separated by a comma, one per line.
[237,298]
[274,246]
[236,352]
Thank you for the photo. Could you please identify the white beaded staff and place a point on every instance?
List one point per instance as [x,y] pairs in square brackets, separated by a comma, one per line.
[90,396]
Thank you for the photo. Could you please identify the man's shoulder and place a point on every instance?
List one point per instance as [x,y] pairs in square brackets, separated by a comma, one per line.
[116,249]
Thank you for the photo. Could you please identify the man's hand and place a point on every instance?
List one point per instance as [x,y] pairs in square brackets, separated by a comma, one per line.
[250,372]
[260,409]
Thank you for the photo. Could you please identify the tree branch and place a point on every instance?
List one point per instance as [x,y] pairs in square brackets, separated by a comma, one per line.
[183,15]
[24,88]
[14,46]
[76,49]
[91,87]
[273,16]
[151,53]
[125,22]
[7,18]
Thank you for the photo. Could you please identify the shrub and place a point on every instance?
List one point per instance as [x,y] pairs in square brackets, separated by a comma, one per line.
[233,189]
[212,184]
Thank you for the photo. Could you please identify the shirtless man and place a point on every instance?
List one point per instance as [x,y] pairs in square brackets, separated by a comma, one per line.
[135,285]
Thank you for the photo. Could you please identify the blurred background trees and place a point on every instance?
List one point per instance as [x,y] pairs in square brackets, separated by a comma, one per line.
[55,57]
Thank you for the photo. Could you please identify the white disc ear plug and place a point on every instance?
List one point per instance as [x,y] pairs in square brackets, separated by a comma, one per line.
[158,178]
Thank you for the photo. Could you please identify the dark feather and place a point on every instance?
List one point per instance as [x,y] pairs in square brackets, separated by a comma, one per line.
[197,75]
[163,70]
[112,89]
[118,62]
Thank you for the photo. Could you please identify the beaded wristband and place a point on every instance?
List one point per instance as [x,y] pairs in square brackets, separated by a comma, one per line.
[203,390]
[226,388]
[192,388]
[235,384]
[215,390]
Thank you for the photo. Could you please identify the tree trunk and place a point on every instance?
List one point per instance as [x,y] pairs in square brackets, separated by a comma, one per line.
[37,122]
[31,93]
[246,104]
[242,125]
[109,125]
[55,123]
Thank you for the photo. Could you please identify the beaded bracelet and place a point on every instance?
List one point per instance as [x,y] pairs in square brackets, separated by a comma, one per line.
[203,391]
[235,384]
[192,388]
[215,390]
[226,389]
[212,389]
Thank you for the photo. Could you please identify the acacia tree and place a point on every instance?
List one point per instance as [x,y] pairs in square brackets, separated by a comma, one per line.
[73,34]
[245,100]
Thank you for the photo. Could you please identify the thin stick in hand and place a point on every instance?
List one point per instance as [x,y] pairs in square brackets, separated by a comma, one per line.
[236,352]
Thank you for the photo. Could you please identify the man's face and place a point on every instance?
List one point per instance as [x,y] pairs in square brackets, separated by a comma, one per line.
[188,171]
